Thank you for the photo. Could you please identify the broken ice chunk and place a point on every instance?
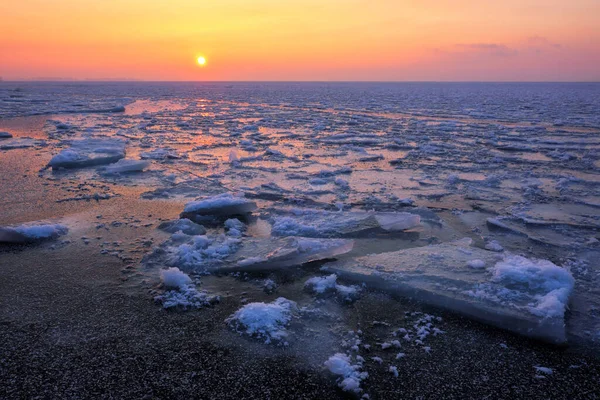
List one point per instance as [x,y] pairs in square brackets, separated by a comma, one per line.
[267,321]
[518,294]
[260,254]
[5,135]
[184,225]
[174,278]
[29,233]
[223,205]
[397,221]
[125,166]
[317,223]
[89,152]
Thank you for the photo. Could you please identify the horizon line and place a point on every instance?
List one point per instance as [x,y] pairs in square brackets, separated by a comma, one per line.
[117,80]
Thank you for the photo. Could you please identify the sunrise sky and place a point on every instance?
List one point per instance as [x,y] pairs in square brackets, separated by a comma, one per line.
[381,40]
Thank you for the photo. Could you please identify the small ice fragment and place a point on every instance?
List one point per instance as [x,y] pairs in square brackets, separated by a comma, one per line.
[394,370]
[397,221]
[476,264]
[377,359]
[174,278]
[350,375]
[126,166]
[494,246]
[5,135]
[543,370]
[400,355]
[264,320]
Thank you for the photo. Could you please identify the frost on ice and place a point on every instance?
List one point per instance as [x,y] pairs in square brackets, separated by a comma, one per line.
[29,233]
[89,152]
[317,223]
[350,375]
[514,293]
[328,284]
[223,205]
[266,321]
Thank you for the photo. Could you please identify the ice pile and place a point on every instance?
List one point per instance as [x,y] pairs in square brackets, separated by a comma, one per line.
[182,292]
[89,152]
[515,293]
[328,284]
[266,321]
[29,233]
[350,374]
[317,223]
[223,205]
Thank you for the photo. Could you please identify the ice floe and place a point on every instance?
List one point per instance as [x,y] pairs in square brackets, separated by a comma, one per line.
[223,205]
[89,152]
[31,232]
[514,293]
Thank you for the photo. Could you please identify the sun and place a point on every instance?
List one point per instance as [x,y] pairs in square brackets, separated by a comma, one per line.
[201,61]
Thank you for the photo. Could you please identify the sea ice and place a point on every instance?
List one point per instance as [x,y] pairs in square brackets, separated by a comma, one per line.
[223,205]
[350,374]
[125,166]
[317,223]
[29,233]
[266,321]
[514,293]
[184,225]
[89,152]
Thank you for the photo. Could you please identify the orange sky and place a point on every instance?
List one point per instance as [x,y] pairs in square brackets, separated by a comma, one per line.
[301,40]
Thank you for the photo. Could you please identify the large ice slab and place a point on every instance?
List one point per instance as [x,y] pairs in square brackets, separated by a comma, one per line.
[318,223]
[511,292]
[223,205]
[225,253]
[29,233]
[89,152]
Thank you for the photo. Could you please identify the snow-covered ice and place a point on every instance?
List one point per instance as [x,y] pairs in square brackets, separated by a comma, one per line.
[31,232]
[515,293]
[89,152]
[349,373]
[224,205]
[267,321]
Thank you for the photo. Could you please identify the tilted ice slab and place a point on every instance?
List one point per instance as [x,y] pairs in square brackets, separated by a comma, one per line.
[89,152]
[30,233]
[317,223]
[206,254]
[124,166]
[508,291]
[262,254]
[223,205]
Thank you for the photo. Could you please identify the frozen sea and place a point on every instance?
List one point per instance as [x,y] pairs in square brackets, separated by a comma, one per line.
[364,233]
